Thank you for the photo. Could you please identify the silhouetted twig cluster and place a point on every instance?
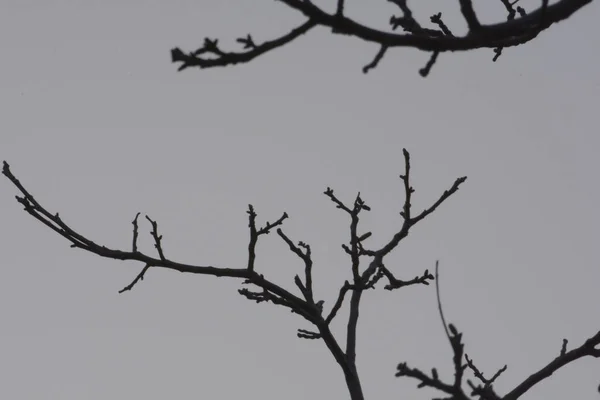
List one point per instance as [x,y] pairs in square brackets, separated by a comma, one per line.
[306,305]
[484,389]
[513,32]
[367,267]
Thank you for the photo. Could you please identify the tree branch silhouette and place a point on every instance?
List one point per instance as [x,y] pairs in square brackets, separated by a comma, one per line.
[514,31]
[363,279]
[268,291]
[484,390]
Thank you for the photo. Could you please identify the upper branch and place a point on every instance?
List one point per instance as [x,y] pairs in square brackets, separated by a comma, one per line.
[508,33]
[409,221]
[255,233]
[338,304]
[306,288]
[395,283]
[512,32]
[221,58]
[157,238]
[466,8]
[444,196]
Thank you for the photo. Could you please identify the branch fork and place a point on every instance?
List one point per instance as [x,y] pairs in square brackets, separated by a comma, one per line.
[306,304]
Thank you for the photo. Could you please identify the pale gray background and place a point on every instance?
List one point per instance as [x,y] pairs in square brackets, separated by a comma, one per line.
[97,123]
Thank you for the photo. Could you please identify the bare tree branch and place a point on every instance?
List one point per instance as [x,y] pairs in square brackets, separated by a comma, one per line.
[313,311]
[479,375]
[306,289]
[486,392]
[455,389]
[139,277]
[376,60]
[406,211]
[338,302]
[157,238]
[268,291]
[255,233]
[221,58]
[135,233]
[439,300]
[512,32]
[395,283]
[466,8]
[588,348]
[354,253]
[368,278]
[55,223]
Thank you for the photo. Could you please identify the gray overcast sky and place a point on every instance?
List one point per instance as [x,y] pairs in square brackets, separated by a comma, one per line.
[98,124]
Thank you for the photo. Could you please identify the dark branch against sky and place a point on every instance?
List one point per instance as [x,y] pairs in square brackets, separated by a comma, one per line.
[518,28]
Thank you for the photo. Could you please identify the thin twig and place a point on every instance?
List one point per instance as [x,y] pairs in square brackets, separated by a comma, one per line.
[138,278]
[135,232]
[439,300]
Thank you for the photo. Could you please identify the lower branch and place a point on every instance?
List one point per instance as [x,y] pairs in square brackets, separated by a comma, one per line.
[485,390]
[588,348]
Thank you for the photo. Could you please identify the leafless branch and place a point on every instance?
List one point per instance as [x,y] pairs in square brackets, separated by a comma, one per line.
[444,196]
[255,233]
[268,291]
[339,204]
[157,238]
[307,308]
[409,221]
[139,277]
[306,289]
[588,348]
[486,392]
[376,60]
[439,300]
[135,232]
[304,334]
[437,19]
[429,381]
[395,283]
[54,222]
[221,58]
[427,68]
[338,302]
[512,32]
[479,375]
[455,339]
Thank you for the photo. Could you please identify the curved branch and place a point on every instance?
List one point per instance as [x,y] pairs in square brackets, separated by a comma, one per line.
[588,348]
[222,59]
[512,32]
[54,222]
